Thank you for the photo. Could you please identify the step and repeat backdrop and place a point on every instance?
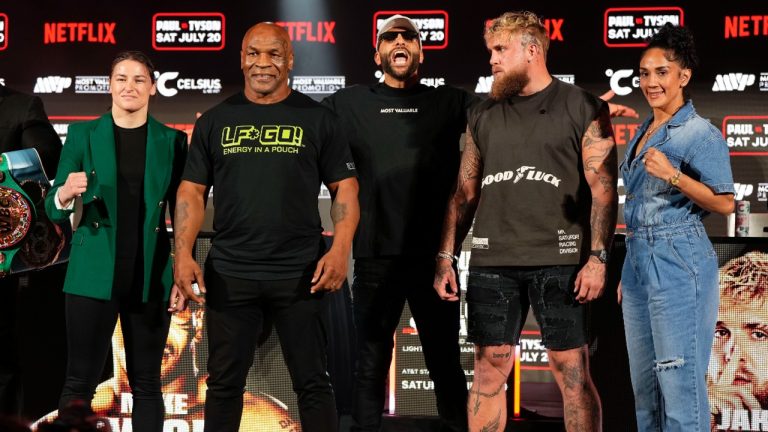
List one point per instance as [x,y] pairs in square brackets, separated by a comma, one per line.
[61,51]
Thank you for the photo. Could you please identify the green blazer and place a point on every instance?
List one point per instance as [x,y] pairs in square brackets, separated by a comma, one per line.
[90,147]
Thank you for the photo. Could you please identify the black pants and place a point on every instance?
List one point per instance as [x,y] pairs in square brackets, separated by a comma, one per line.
[10,387]
[379,292]
[235,318]
[90,324]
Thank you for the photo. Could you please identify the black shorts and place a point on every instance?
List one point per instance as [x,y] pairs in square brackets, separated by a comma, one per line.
[498,300]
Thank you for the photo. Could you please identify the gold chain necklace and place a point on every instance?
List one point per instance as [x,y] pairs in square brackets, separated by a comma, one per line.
[653,129]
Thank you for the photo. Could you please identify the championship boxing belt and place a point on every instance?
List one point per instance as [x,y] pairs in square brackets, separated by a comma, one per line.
[28,239]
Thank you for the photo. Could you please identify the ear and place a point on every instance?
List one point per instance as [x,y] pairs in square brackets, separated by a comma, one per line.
[531,51]
[685,77]
[377,58]
[290,61]
[421,56]
[153,90]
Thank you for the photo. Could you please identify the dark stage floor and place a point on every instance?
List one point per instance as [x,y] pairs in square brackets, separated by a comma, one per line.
[431,424]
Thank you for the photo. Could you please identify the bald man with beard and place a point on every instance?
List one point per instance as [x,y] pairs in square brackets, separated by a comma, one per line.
[266,149]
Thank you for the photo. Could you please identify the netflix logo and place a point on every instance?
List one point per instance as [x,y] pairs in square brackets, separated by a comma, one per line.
[554,27]
[79,32]
[307,31]
[742,26]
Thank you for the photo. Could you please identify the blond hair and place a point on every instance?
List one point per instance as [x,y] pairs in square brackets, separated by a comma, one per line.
[527,24]
[745,279]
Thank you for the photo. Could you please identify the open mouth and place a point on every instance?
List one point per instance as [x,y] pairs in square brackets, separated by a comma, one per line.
[655,94]
[741,379]
[400,57]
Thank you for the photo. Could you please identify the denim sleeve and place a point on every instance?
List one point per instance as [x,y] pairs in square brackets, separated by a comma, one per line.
[711,161]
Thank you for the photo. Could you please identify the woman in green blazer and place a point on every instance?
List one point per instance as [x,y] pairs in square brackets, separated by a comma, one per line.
[126,167]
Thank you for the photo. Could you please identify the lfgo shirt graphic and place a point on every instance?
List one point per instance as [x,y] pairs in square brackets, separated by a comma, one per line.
[262,139]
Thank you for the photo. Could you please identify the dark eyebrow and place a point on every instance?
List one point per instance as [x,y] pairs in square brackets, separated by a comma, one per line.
[656,68]
[753,325]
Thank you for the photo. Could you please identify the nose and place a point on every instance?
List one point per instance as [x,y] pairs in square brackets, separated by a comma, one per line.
[494,58]
[400,40]
[262,60]
[652,80]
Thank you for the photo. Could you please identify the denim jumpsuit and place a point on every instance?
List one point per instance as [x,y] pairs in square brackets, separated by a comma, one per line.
[669,279]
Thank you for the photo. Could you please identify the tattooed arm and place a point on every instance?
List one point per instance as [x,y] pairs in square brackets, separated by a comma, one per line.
[458,217]
[331,270]
[601,171]
[190,209]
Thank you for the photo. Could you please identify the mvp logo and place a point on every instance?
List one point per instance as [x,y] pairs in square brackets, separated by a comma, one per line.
[267,135]
[733,82]
[52,84]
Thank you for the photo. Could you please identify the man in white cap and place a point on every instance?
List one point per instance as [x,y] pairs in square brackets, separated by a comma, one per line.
[404,138]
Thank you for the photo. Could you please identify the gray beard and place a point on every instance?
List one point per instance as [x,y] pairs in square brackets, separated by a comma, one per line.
[509,85]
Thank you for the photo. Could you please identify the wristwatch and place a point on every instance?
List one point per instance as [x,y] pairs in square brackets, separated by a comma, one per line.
[675,179]
[601,254]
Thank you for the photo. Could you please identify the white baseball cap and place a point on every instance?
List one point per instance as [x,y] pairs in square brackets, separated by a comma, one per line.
[398,20]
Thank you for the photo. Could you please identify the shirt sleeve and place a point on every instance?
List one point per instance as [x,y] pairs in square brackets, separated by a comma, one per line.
[335,156]
[38,133]
[330,102]
[711,162]
[198,168]
[57,202]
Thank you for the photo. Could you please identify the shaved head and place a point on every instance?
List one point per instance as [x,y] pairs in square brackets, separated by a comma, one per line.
[268,30]
[266,59]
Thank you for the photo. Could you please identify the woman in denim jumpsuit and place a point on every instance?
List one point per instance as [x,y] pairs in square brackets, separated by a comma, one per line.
[676,171]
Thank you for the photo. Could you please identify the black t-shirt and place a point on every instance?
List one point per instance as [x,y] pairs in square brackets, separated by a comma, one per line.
[130,151]
[405,143]
[266,163]
[535,204]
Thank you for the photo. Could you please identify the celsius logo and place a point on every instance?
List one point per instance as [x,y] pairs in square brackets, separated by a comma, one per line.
[433,26]
[733,82]
[553,26]
[432,81]
[188,31]
[746,135]
[79,32]
[3,31]
[169,84]
[321,31]
[52,84]
[617,76]
[631,27]
[524,172]
[741,26]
